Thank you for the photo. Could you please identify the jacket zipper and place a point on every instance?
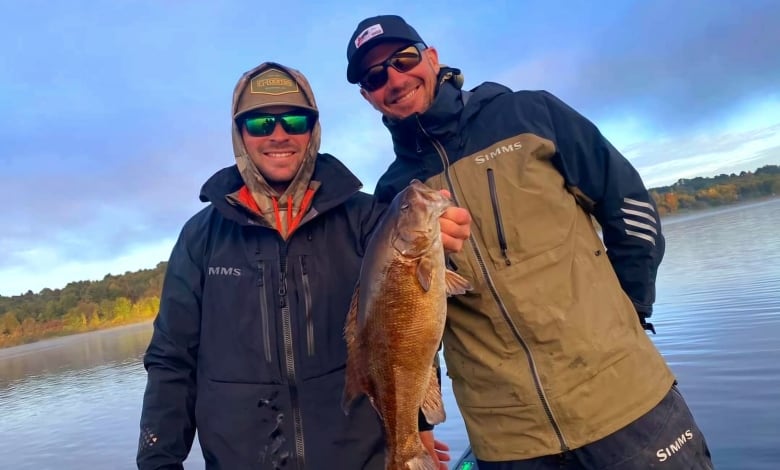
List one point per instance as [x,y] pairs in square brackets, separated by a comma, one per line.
[497,298]
[497,216]
[264,314]
[307,306]
[289,356]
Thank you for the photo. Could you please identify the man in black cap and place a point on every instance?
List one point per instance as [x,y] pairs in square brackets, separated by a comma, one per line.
[549,360]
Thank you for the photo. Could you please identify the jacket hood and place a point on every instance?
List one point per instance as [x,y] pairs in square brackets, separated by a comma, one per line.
[255,181]
[272,206]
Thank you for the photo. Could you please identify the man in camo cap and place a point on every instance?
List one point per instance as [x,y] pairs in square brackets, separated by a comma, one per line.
[248,345]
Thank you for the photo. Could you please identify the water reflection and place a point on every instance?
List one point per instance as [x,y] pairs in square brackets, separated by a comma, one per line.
[73,402]
[718,314]
[72,353]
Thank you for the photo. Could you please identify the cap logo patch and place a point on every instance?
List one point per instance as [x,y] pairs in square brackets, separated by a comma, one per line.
[273,82]
[368,33]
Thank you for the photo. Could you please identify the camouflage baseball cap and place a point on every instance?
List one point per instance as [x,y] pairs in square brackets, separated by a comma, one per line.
[271,87]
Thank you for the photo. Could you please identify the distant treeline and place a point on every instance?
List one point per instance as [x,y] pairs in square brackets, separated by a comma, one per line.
[700,193]
[135,296]
[81,306]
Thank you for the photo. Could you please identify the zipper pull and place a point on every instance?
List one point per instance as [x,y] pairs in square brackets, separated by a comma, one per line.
[283,285]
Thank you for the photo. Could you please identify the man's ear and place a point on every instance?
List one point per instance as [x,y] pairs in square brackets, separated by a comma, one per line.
[432,56]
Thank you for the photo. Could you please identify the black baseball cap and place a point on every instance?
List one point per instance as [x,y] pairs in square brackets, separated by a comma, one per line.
[371,32]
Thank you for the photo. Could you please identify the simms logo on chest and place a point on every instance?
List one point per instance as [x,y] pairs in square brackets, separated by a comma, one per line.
[495,152]
[223,271]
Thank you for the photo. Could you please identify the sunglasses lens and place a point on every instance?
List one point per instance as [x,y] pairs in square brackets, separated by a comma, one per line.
[260,126]
[375,78]
[295,123]
[404,60]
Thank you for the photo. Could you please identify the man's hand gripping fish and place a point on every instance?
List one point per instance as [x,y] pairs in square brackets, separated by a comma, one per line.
[396,320]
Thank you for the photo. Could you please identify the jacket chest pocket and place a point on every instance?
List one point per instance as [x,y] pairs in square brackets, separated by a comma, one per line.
[306,307]
[323,289]
[519,206]
[238,325]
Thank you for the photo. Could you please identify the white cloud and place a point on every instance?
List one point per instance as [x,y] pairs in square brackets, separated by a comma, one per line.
[664,161]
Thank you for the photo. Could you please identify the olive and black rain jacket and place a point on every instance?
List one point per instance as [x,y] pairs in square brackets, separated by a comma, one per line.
[548,352]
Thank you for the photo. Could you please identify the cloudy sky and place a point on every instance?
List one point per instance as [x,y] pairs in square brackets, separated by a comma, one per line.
[114,112]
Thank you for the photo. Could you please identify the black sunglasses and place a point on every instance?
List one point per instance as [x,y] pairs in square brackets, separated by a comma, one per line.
[403,60]
[293,123]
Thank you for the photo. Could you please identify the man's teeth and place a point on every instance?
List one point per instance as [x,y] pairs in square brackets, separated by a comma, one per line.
[406,96]
[279,154]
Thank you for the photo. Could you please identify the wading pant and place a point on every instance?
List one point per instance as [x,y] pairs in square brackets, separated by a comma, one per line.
[665,438]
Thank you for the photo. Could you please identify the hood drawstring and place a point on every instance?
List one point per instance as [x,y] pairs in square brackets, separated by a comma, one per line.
[292,222]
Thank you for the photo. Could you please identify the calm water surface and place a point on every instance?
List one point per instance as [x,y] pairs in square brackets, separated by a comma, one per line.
[74,402]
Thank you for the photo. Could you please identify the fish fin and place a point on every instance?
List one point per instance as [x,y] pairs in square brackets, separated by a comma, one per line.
[456,284]
[376,408]
[432,405]
[351,323]
[422,461]
[425,273]
[354,379]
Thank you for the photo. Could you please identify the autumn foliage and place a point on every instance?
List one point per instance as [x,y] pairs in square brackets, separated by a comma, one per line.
[81,306]
[700,193]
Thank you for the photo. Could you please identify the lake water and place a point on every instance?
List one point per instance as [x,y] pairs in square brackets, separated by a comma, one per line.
[74,402]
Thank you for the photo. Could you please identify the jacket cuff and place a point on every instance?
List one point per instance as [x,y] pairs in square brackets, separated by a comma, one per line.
[422,423]
[644,312]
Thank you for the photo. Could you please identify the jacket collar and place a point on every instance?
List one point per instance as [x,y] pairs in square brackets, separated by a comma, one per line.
[445,118]
[337,184]
[440,121]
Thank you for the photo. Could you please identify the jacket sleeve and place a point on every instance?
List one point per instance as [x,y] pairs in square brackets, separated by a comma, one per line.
[610,188]
[168,411]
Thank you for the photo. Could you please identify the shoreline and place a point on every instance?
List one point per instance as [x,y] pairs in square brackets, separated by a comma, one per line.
[57,341]
[687,214]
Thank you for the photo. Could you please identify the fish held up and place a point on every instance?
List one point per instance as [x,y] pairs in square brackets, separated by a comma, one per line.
[396,321]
